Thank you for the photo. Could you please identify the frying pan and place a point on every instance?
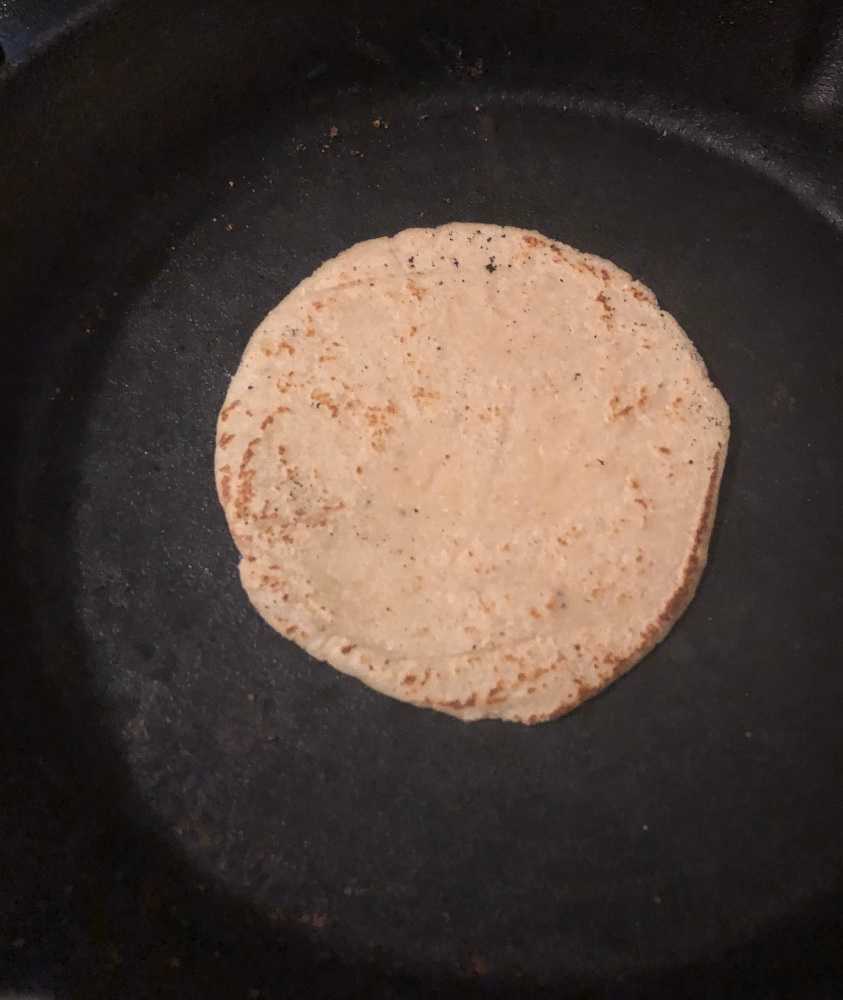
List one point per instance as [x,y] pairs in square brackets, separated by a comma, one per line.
[192,806]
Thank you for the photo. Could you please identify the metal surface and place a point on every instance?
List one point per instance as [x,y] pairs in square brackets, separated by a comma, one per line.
[201,810]
[29,26]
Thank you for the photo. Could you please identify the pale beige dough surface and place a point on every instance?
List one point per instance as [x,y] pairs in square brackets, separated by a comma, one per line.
[475,468]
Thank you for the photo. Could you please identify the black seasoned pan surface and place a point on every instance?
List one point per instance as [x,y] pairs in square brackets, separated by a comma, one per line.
[280,812]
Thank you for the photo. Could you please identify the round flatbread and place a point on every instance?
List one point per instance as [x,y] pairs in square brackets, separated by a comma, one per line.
[473,467]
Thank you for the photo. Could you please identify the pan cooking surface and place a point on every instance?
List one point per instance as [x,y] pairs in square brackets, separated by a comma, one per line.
[670,818]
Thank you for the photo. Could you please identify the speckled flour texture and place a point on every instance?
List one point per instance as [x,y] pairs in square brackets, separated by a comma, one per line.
[472,467]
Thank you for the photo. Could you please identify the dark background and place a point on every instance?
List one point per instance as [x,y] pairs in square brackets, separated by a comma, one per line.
[89,901]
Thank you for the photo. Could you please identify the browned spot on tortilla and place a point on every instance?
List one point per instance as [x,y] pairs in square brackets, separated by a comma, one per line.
[642,397]
[324,399]
[318,305]
[604,274]
[413,331]
[421,393]
[310,332]
[584,690]
[533,241]
[267,420]
[496,694]
[617,410]
[245,475]
[226,410]
[664,451]
[376,418]
[643,503]
[469,702]
[534,613]
[608,311]
[226,439]
[347,649]
[415,290]
[409,679]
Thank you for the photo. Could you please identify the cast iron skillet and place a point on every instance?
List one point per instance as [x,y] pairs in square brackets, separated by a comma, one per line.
[196,808]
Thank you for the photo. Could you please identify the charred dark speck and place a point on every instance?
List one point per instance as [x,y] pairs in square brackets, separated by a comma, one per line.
[490,267]
[576,376]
